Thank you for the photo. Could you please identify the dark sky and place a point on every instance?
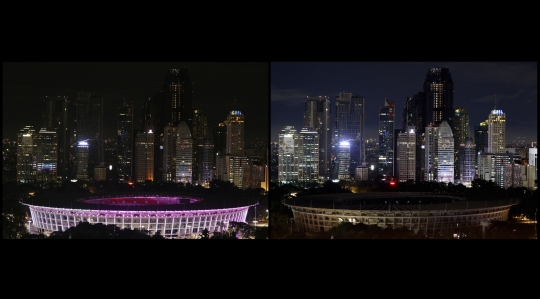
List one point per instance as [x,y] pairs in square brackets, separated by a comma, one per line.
[215,85]
[476,85]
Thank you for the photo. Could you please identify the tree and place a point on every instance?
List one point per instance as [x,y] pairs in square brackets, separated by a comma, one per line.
[205,234]
[261,233]
[13,215]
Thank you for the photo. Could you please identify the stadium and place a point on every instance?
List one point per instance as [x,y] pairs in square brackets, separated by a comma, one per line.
[424,213]
[173,216]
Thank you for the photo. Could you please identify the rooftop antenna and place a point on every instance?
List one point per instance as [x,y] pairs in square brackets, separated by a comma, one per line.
[495,102]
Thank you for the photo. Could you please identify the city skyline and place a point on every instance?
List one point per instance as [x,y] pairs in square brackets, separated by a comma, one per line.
[478,87]
[218,88]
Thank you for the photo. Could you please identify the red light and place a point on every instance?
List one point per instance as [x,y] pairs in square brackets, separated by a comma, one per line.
[130,183]
[392,183]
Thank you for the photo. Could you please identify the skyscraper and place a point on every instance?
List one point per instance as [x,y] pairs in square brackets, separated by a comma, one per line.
[88,128]
[26,143]
[496,132]
[406,155]
[200,132]
[317,115]
[184,154]
[500,168]
[83,159]
[46,155]
[144,153]
[467,160]
[431,106]
[231,168]
[349,128]
[235,133]
[461,132]
[205,162]
[386,139]
[170,106]
[429,152]
[439,82]
[125,141]
[444,165]
[308,155]
[220,138]
[177,98]
[481,141]
[288,158]
[409,114]
[170,137]
[344,160]
[532,158]
[59,116]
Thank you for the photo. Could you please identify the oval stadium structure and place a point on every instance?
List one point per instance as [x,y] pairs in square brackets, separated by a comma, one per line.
[424,213]
[172,216]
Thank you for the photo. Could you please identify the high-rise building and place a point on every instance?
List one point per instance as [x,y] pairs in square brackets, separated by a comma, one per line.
[100,173]
[170,137]
[88,128]
[467,160]
[350,110]
[26,164]
[205,162]
[9,160]
[499,168]
[235,133]
[184,154]
[496,132]
[532,159]
[317,115]
[177,98]
[512,174]
[220,138]
[481,141]
[288,158]
[434,104]
[59,116]
[429,151]
[144,153]
[125,141]
[439,82]
[46,155]
[406,155]
[170,106]
[444,164]
[200,132]
[386,139]
[308,155]
[372,157]
[409,114]
[83,153]
[274,158]
[231,168]
[461,132]
[253,176]
[344,160]
[527,176]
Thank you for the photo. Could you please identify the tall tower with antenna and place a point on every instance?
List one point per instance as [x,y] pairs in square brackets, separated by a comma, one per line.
[235,132]
[496,131]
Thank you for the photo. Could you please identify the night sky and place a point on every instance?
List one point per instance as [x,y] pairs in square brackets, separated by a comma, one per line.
[476,86]
[215,86]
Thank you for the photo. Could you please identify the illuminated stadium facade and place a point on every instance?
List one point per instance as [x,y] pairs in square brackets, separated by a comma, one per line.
[172,216]
[424,213]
